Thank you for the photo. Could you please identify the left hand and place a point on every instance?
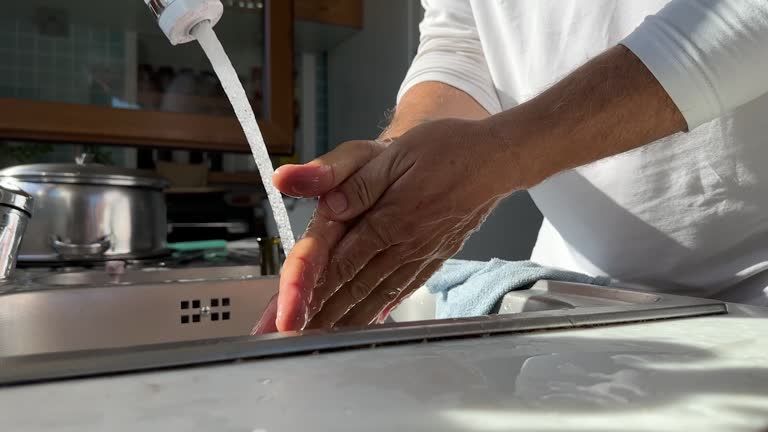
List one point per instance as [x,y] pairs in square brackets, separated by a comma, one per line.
[402,214]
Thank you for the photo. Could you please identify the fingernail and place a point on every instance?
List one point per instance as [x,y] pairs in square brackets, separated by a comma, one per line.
[308,180]
[336,201]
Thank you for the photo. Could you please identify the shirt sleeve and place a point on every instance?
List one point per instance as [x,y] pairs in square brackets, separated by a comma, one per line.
[711,56]
[450,52]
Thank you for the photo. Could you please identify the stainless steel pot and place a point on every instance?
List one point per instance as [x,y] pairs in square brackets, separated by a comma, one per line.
[91,212]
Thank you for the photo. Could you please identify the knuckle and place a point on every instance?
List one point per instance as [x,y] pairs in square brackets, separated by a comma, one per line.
[373,148]
[361,191]
[365,149]
[379,232]
[393,223]
[359,290]
[386,296]
[348,146]
[402,159]
[346,268]
[401,296]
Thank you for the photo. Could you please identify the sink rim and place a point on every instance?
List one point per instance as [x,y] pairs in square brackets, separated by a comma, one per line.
[62,365]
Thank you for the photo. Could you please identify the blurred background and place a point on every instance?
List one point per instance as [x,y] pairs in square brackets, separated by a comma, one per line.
[100,78]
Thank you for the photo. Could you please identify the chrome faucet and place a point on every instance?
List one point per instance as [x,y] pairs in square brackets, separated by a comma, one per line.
[15,211]
[177,18]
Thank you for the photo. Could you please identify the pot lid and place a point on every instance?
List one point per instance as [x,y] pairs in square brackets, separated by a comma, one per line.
[12,195]
[94,174]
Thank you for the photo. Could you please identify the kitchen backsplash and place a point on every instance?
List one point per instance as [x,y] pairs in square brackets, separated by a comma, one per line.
[74,64]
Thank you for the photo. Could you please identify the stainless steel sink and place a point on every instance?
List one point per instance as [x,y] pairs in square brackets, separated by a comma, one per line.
[67,330]
[145,308]
[543,296]
[155,275]
[552,295]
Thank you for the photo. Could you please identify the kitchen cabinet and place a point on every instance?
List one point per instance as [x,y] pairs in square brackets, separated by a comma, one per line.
[347,13]
[103,72]
[321,25]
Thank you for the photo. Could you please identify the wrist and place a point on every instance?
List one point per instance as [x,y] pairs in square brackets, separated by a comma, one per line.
[515,138]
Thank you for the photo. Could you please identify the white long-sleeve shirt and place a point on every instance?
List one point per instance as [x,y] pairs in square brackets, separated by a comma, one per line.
[688,213]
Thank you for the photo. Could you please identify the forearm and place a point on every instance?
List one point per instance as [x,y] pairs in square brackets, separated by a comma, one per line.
[429,101]
[708,54]
[610,105]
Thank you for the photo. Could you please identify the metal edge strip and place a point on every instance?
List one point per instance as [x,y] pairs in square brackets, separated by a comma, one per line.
[44,367]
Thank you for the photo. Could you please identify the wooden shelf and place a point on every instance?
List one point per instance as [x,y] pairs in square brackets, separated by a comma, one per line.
[248,177]
[347,13]
[54,121]
[191,104]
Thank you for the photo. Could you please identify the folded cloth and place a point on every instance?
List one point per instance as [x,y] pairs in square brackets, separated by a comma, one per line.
[472,288]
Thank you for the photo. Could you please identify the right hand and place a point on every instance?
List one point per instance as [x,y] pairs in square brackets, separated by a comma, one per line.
[308,259]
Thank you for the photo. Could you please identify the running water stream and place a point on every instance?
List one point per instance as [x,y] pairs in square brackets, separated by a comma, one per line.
[205,35]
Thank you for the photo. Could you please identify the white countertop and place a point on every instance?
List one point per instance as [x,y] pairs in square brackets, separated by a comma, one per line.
[708,373]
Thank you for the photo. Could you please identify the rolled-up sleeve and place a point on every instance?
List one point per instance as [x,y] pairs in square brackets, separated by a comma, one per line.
[450,52]
[711,56]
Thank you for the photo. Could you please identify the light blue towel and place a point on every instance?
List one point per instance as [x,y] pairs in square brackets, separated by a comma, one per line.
[472,288]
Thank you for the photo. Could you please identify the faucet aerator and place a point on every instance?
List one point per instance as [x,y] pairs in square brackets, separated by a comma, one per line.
[177,18]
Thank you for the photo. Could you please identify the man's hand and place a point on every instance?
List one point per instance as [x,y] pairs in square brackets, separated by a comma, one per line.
[427,101]
[309,257]
[391,223]
[409,209]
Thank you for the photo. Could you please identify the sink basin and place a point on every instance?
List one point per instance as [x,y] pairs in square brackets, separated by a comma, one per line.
[552,295]
[145,308]
[543,296]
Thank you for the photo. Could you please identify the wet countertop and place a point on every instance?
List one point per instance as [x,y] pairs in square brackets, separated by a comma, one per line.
[708,373]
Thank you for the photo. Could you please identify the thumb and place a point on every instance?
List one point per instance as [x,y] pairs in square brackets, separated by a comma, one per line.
[326,172]
[363,189]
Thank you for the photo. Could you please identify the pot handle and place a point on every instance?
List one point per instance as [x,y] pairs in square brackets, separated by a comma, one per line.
[72,250]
